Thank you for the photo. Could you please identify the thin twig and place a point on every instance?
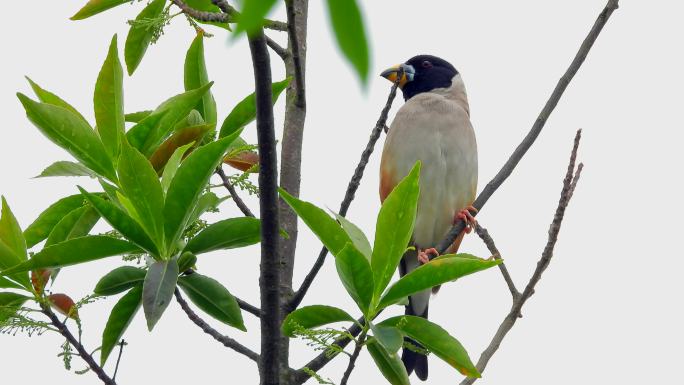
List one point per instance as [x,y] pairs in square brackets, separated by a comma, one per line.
[122,343]
[225,340]
[249,308]
[353,358]
[569,184]
[487,239]
[349,195]
[270,267]
[223,17]
[300,99]
[82,352]
[233,193]
[277,48]
[525,145]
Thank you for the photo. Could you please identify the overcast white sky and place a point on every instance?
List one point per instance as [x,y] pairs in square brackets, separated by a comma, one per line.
[608,309]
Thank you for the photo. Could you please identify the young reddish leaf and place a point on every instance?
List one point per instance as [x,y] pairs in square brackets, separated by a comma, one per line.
[243,161]
[182,137]
[64,304]
[40,278]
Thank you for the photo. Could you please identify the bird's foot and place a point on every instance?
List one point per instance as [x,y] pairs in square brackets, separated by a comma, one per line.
[468,218]
[424,255]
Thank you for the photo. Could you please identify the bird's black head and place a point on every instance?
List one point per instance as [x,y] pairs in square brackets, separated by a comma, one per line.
[422,73]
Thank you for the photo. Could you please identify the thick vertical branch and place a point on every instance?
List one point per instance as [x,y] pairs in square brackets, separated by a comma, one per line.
[269,277]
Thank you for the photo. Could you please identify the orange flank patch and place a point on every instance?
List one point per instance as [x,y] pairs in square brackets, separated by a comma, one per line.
[387,183]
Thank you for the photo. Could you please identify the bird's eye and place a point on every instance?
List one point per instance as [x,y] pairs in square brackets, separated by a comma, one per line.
[426,64]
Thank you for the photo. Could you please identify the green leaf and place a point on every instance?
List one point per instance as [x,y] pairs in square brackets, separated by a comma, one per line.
[172,165]
[437,340]
[139,37]
[68,131]
[121,316]
[226,234]
[326,228]
[245,111]
[440,270]
[158,288]
[214,299]
[347,22]
[50,98]
[393,229]
[390,337]
[390,364]
[121,222]
[93,7]
[186,261]
[7,284]
[46,221]
[136,117]
[77,223]
[10,303]
[196,76]
[108,101]
[119,280]
[208,201]
[66,168]
[151,131]
[253,14]
[75,251]
[140,184]
[188,183]
[356,276]
[309,317]
[11,234]
[356,235]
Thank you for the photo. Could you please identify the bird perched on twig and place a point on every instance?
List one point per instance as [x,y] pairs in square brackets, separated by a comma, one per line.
[432,126]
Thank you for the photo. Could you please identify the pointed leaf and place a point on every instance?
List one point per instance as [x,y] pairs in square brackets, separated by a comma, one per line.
[77,223]
[108,101]
[188,184]
[172,165]
[394,228]
[119,280]
[75,251]
[245,111]
[309,317]
[158,288]
[196,76]
[347,22]
[10,303]
[121,222]
[389,364]
[193,134]
[139,36]
[326,228]
[140,184]
[390,337]
[121,316]
[68,131]
[66,168]
[437,340]
[10,233]
[356,235]
[440,270]
[48,97]
[93,7]
[46,221]
[137,117]
[356,276]
[214,299]
[226,234]
[253,14]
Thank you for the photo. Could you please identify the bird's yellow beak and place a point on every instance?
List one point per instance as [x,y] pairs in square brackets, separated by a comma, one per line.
[392,73]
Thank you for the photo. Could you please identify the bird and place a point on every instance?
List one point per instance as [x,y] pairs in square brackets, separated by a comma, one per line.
[432,126]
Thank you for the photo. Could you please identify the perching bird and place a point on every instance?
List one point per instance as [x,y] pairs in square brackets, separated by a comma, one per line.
[432,126]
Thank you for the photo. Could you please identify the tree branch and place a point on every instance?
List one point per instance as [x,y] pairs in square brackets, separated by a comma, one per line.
[353,358]
[569,184]
[487,239]
[82,352]
[269,277]
[249,308]
[223,17]
[300,97]
[225,340]
[280,51]
[349,195]
[233,193]
[522,148]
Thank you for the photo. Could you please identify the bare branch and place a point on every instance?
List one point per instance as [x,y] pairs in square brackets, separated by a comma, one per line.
[122,343]
[300,96]
[353,358]
[225,340]
[487,239]
[248,307]
[279,50]
[569,184]
[82,352]
[349,195]
[223,17]
[522,148]
[233,193]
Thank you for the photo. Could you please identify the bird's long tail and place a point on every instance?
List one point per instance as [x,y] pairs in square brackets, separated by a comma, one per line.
[412,359]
